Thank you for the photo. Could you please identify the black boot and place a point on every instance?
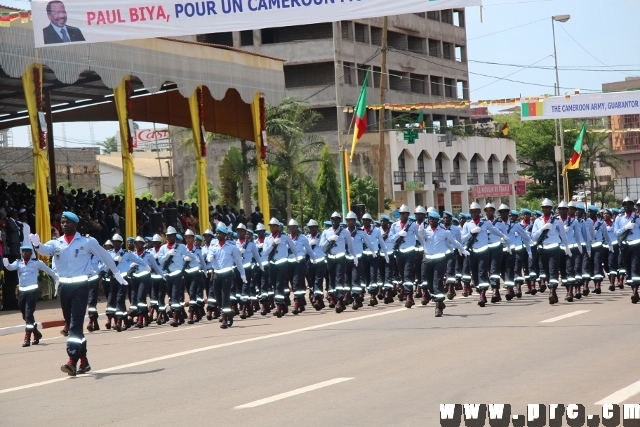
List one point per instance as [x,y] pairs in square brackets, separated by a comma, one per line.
[37,335]
[27,339]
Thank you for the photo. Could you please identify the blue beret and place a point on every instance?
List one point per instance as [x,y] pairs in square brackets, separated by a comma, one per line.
[130,239]
[26,248]
[234,235]
[447,213]
[615,211]
[148,239]
[412,217]
[250,233]
[222,229]
[327,223]
[580,206]
[376,223]
[434,215]
[179,236]
[525,211]
[462,215]
[385,218]
[199,237]
[514,212]
[593,208]
[71,216]
[537,212]
[344,224]
[358,224]
[455,221]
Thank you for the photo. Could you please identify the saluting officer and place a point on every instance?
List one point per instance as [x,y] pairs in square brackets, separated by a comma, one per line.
[72,261]
[334,241]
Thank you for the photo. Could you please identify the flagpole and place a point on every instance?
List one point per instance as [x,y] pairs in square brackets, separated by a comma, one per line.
[338,71]
[381,117]
[343,183]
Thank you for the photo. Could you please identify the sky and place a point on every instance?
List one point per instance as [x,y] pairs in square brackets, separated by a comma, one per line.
[599,44]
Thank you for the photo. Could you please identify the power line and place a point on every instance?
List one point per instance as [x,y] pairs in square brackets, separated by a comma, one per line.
[515,72]
[587,68]
[507,29]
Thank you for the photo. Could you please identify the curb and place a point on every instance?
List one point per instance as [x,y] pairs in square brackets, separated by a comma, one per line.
[10,330]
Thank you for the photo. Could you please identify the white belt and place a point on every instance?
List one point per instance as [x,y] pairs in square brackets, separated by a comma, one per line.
[27,288]
[404,251]
[156,276]
[320,259]
[514,248]
[224,270]
[336,256]
[596,244]
[551,246]
[633,242]
[78,279]
[438,256]
[367,253]
[572,245]
[142,273]
[296,259]
[479,250]
[175,273]
[94,277]
[246,265]
[280,261]
[494,245]
[192,270]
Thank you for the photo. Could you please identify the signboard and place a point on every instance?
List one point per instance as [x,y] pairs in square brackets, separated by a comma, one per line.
[145,140]
[91,21]
[411,185]
[582,106]
[492,190]
[521,188]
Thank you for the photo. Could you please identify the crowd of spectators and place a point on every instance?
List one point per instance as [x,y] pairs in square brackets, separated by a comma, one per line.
[102,215]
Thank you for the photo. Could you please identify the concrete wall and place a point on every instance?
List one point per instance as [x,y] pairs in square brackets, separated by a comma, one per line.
[111,177]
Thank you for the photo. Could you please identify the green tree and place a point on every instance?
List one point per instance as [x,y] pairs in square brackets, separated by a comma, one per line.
[167,197]
[595,148]
[230,175]
[328,187]
[109,145]
[118,190]
[147,195]
[364,191]
[192,193]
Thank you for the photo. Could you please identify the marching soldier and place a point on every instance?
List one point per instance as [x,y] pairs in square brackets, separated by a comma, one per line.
[627,229]
[316,266]
[551,238]
[276,250]
[437,241]
[207,253]
[530,266]
[403,235]
[262,279]
[353,287]
[420,215]
[72,260]
[333,241]
[371,266]
[573,230]
[249,253]
[141,281]
[611,260]
[577,211]
[28,270]
[125,261]
[94,289]
[514,260]
[193,268]
[475,236]
[600,241]
[388,267]
[297,265]
[158,284]
[495,249]
[172,258]
[452,277]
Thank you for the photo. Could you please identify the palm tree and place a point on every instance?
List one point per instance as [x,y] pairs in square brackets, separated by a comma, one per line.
[109,145]
[596,148]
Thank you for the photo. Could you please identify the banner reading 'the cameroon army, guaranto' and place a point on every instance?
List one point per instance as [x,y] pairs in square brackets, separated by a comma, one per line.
[92,21]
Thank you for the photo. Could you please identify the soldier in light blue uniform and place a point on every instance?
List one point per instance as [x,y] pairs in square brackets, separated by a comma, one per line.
[354,292]
[316,266]
[452,255]
[28,269]
[225,257]
[627,228]
[94,290]
[388,267]
[171,257]
[437,241]
[419,216]
[404,234]
[297,265]
[141,281]
[573,230]
[157,282]
[334,241]
[207,253]
[515,259]
[193,268]
[495,250]
[600,244]
[582,259]
[277,247]
[245,291]
[475,237]
[72,259]
[370,264]
[610,257]
[551,238]
[262,276]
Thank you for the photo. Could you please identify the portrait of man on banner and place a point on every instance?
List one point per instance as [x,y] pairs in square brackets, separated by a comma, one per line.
[58,31]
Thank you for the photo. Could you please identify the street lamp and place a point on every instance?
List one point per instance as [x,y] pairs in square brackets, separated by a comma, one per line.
[560,18]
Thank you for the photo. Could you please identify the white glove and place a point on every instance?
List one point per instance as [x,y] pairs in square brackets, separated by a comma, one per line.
[529,253]
[580,249]
[629,226]
[375,254]
[566,228]
[333,238]
[5,262]
[210,258]
[568,252]
[35,240]
[386,258]
[117,258]
[187,258]
[55,287]
[242,250]
[610,247]
[313,242]
[276,241]
[171,252]
[120,279]
[402,233]
[589,253]
[261,268]
[548,226]
[463,252]
[155,254]
[355,262]
[259,245]
[244,279]
[509,248]
[476,230]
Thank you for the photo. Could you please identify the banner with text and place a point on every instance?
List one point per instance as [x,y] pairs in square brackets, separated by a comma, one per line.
[91,21]
[582,106]
[149,139]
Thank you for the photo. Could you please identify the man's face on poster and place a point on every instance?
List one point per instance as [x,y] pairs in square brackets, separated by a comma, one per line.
[57,15]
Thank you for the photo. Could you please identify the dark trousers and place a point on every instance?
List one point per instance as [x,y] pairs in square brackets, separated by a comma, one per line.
[154,291]
[495,258]
[630,256]
[532,266]
[317,279]
[612,261]
[94,290]
[296,274]
[479,266]
[405,261]
[371,273]
[73,301]
[111,291]
[139,291]
[459,265]
[417,265]
[513,264]
[176,288]
[432,272]
[27,304]
[335,272]
[550,262]
[246,289]
[390,275]
[450,261]
[221,284]
[193,282]
[567,272]
[121,297]
[278,279]
[265,285]
[466,271]
[354,277]
[594,265]
[578,262]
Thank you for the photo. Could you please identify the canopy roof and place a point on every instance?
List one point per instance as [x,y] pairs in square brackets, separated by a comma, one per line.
[164,72]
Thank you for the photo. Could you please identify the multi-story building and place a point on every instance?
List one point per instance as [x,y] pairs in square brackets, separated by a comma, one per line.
[626,142]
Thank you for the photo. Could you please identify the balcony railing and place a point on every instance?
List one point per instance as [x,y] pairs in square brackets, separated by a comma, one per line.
[454,178]
[488,178]
[438,176]
[399,177]
[504,178]
[472,179]
[419,177]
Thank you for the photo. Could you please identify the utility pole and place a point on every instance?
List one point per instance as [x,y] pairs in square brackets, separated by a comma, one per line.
[155,134]
[382,115]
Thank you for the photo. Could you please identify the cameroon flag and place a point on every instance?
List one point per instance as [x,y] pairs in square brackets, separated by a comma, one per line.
[360,116]
[574,162]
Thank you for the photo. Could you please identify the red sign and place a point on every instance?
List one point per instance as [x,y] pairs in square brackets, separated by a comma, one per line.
[490,190]
[148,139]
[521,188]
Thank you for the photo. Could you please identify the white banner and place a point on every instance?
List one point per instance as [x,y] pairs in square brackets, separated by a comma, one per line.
[148,139]
[582,106]
[91,21]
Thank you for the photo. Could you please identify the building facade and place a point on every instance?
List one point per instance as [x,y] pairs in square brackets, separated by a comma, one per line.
[625,136]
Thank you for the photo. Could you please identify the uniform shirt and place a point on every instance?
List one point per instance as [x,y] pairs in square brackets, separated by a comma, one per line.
[599,231]
[573,229]
[497,222]
[375,237]
[482,239]
[623,220]
[517,235]
[177,262]
[73,259]
[281,250]
[455,232]
[28,273]
[528,228]
[225,257]
[360,238]
[314,242]
[208,250]
[438,241]
[249,251]
[302,247]
[344,239]
[151,263]
[95,265]
[197,260]
[260,243]
[421,226]
[555,236]
[387,245]
[128,258]
[611,231]
[411,237]
[155,253]
[587,233]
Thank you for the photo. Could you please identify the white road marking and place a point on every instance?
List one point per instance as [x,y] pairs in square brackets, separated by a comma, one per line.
[211,347]
[565,316]
[292,393]
[621,395]
[167,332]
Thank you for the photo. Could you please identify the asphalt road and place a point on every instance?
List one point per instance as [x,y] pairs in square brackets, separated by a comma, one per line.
[376,366]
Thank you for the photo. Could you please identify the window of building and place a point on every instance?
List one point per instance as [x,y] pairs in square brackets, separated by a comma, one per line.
[305,75]
[446,16]
[397,40]
[376,36]
[631,121]
[348,70]
[434,15]
[329,121]
[224,39]
[434,48]
[246,38]
[458,18]
[490,165]
[473,166]
[420,15]
[361,33]
[447,50]
[297,32]
[421,163]
[436,86]
[449,88]
[418,83]
[456,164]
[346,30]
[505,166]
[399,81]
[417,44]
[461,53]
